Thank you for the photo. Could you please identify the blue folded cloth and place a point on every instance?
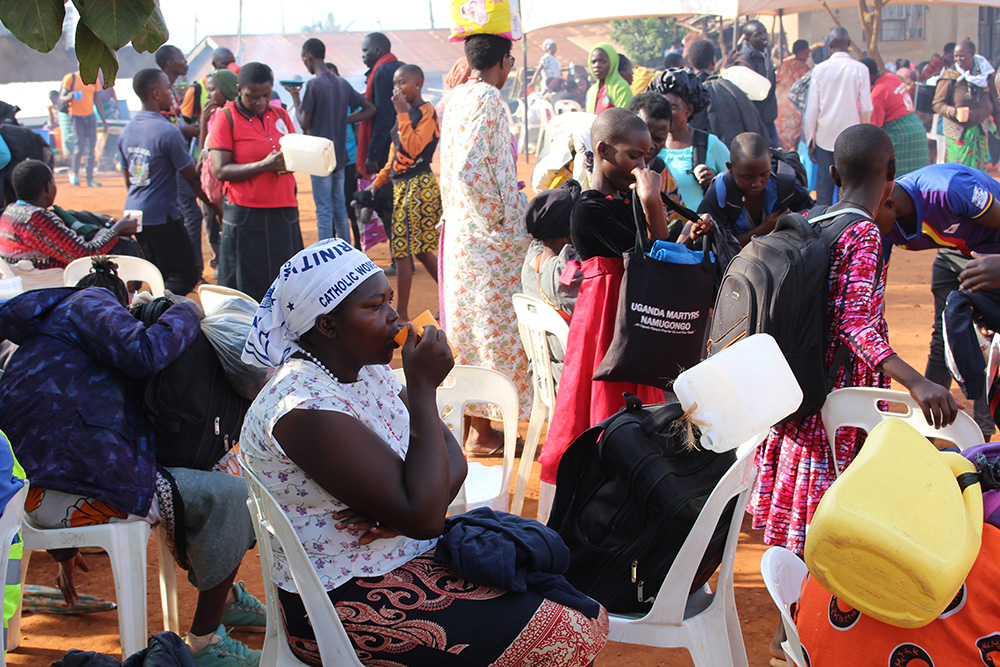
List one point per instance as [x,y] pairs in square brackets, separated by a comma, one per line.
[676,253]
[508,551]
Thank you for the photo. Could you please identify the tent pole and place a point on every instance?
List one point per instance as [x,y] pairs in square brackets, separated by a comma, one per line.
[736,31]
[781,29]
[524,85]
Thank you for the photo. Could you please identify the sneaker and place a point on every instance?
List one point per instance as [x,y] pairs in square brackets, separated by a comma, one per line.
[247,611]
[74,179]
[93,184]
[227,652]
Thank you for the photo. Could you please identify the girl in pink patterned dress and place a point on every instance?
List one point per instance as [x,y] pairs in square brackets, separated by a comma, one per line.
[794,460]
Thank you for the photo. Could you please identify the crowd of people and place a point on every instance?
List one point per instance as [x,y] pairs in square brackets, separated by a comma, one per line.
[363,466]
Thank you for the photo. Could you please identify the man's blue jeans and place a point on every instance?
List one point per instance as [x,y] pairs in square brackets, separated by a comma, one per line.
[331,206]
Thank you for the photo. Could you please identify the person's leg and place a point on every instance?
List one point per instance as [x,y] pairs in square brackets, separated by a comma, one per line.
[191,212]
[323,198]
[90,140]
[404,281]
[342,223]
[824,182]
[169,248]
[430,262]
[350,187]
[944,280]
[79,148]
[210,605]
[384,208]
[213,230]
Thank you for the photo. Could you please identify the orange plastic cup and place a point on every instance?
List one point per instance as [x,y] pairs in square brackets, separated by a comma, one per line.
[424,319]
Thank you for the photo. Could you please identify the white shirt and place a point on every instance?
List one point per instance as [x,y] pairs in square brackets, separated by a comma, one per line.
[374,401]
[839,93]
[549,65]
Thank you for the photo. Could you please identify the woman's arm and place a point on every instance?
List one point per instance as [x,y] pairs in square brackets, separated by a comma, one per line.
[943,104]
[357,467]
[227,170]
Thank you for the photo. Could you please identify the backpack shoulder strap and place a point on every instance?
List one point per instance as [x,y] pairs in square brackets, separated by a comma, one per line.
[229,116]
[786,187]
[699,148]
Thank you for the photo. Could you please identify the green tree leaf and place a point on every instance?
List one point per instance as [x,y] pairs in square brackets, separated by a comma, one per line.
[645,40]
[153,35]
[94,55]
[37,23]
[114,22]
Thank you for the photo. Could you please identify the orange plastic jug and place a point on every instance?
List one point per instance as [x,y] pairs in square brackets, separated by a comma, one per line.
[895,536]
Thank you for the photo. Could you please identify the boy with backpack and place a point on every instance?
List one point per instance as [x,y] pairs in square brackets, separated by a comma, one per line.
[795,460]
[416,206]
[748,198]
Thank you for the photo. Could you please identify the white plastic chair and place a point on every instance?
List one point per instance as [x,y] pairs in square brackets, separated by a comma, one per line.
[705,623]
[567,106]
[544,113]
[129,268]
[783,573]
[940,141]
[536,319]
[485,485]
[10,523]
[6,271]
[126,544]
[212,296]
[858,407]
[273,528]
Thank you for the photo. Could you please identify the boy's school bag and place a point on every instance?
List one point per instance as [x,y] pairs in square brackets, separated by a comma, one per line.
[196,414]
[628,492]
[778,285]
[786,169]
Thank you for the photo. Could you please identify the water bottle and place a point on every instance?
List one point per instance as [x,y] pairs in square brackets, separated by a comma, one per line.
[572,68]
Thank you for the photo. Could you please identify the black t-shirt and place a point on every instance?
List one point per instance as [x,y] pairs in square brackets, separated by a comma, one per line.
[602,226]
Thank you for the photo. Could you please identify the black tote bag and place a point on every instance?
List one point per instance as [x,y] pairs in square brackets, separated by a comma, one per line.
[662,318]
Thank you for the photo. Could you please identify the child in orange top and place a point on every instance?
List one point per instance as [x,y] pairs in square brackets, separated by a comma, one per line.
[416,206]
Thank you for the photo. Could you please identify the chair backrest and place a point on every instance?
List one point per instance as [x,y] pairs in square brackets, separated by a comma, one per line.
[535,319]
[212,296]
[859,407]
[567,106]
[783,573]
[472,384]
[669,605]
[129,269]
[6,271]
[270,523]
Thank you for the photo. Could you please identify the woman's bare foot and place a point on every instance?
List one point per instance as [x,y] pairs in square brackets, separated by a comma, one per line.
[779,636]
[481,438]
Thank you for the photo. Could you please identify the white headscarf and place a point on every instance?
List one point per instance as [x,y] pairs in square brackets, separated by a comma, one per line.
[310,284]
[979,74]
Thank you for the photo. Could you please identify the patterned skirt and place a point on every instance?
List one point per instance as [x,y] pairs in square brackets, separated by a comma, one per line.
[422,613]
[909,139]
[973,150]
[416,211]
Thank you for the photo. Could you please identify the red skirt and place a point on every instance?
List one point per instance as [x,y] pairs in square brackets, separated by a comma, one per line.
[582,401]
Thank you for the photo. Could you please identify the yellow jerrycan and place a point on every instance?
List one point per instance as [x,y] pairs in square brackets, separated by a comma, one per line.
[896,535]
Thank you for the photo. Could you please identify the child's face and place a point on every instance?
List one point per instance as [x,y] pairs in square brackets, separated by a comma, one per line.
[408,84]
[617,161]
[659,128]
[600,64]
[751,176]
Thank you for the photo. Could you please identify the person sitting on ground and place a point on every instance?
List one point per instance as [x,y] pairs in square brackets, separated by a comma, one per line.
[70,400]
[747,199]
[694,156]
[365,471]
[30,231]
[610,90]
[730,112]
[416,208]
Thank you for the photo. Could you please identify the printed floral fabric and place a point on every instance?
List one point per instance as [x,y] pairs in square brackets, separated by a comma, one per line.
[485,241]
[423,613]
[789,122]
[794,461]
[374,401]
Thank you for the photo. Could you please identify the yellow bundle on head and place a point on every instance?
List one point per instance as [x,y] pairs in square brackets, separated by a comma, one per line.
[485,17]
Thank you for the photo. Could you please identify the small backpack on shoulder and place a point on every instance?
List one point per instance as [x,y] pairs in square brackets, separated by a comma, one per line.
[778,285]
[196,414]
[628,492]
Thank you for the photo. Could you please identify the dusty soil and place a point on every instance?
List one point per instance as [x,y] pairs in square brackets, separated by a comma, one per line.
[47,637]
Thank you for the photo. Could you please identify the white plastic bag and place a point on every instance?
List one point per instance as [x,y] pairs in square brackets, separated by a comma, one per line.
[226,328]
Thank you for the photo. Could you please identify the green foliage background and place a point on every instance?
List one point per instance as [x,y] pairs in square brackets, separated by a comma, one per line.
[644,40]
[105,26]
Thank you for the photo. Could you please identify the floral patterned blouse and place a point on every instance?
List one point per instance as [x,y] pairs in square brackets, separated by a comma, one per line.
[374,401]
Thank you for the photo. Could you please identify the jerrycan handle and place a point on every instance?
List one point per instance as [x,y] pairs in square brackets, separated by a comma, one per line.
[968,479]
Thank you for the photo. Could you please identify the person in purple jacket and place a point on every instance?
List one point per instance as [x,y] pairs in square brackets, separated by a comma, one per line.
[70,404]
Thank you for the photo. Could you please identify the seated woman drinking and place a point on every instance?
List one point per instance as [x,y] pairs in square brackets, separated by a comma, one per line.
[365,470]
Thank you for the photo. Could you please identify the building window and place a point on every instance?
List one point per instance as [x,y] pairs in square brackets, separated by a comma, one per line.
[901,23]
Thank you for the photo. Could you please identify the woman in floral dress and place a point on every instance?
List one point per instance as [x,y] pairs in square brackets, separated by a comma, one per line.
[484,237]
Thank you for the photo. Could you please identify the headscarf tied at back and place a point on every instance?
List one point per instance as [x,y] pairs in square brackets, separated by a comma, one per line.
[226,81]
[614,85]
[311,283]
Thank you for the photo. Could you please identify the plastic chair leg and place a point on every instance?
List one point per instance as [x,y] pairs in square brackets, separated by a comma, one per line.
[709,642]
[539,414]
[168,584]
[546,495]
[128,565]
[14,625]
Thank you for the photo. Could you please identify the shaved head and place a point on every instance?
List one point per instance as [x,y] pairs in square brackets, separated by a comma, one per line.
[222,57]
[749,146]
[614,126]
[864,153]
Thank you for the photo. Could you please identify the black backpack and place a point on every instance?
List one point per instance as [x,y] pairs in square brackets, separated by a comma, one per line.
[628,492]
[778,285]
[24,143]
[196,414]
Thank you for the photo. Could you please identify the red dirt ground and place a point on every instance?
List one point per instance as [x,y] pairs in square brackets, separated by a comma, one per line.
[47,637]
